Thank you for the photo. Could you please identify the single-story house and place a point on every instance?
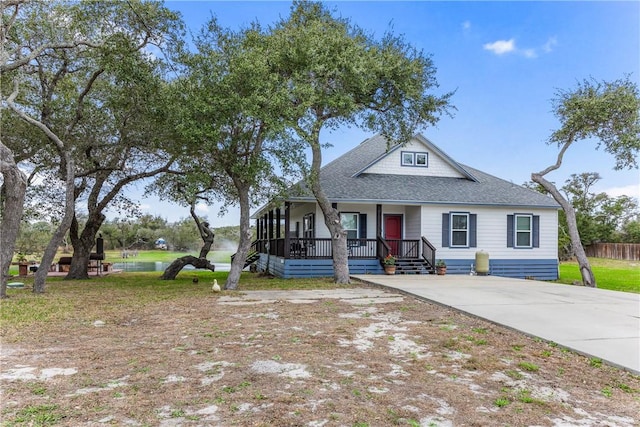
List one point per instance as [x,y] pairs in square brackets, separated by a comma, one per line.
[419,204]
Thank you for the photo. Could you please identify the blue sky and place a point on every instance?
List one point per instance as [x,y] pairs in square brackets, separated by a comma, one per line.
[505,60]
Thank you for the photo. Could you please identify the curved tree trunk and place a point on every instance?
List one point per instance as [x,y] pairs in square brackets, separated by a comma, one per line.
[588,279]
[338,241]
[11,208]
[69,211]
[206,234]
[176,266]
[331,219]
[200,262]
[239,259]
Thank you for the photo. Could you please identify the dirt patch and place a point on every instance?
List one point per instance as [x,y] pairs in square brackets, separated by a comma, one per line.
[363,357]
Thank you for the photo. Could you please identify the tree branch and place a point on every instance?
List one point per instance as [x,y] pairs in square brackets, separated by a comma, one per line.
[10,66]
[83,94]
[560,156]
[116,188]
[52,136]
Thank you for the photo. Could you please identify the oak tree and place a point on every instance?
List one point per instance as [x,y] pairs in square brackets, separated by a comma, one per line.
[338,75]
[80,92]
[607,113]
[228,116]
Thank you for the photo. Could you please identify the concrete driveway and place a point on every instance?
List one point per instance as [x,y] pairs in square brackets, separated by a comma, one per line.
[595,322]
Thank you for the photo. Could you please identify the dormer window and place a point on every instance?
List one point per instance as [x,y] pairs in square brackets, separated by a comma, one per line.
[416,159]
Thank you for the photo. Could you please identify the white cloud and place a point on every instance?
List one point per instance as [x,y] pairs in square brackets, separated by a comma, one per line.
[501,47]
[201,207]
[548,46]
[466,25]
[631,190]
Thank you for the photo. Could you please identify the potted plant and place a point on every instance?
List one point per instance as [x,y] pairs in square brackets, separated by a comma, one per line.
[389,264]
[441,267]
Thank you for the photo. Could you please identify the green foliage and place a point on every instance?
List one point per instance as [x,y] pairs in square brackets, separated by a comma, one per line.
[338,74]
[227,111]
[33,238]
[81,74]
[599,217]
[595,362]
[501,402]
[528,366]
[630,232]
[606,111]
[39,415]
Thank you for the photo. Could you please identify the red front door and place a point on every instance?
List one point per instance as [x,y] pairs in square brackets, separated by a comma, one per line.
[393,232]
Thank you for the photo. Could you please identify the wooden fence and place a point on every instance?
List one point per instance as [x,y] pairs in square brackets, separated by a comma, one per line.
[625,251]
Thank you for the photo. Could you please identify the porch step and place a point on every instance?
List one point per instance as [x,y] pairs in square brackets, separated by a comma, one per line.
[413,266]
[251,258]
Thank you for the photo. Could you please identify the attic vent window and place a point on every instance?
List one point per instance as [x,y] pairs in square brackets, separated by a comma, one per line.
[415,159]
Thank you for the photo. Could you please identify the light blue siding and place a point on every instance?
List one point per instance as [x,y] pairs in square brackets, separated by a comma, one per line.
[292,268]
[538,269]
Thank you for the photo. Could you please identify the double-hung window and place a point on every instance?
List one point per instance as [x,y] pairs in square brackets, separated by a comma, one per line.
[349,221]
[459,230]
[523,231]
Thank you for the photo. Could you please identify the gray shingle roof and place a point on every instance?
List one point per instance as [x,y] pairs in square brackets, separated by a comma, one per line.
[342,183]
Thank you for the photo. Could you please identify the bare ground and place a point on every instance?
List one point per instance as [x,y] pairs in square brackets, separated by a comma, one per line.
[265,359]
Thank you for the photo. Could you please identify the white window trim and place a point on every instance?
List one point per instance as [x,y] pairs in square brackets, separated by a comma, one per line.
[414,159]
[357,229]
[516,231]
[402,158]
[451,230]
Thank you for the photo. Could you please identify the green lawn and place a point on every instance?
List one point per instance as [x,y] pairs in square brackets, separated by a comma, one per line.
[610,274]
[166,256]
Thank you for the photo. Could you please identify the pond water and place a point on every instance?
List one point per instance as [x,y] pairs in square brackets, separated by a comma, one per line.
[158,266]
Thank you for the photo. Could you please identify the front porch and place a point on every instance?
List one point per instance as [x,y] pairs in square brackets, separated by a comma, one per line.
[306,257]
[291,242]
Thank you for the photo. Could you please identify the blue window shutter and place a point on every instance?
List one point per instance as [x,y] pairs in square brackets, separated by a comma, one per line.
[536,231]
[473,221]
[362,224]
[510,220]
[445,230]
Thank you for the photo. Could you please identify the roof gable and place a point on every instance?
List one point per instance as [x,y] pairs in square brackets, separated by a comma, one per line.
[417,157]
